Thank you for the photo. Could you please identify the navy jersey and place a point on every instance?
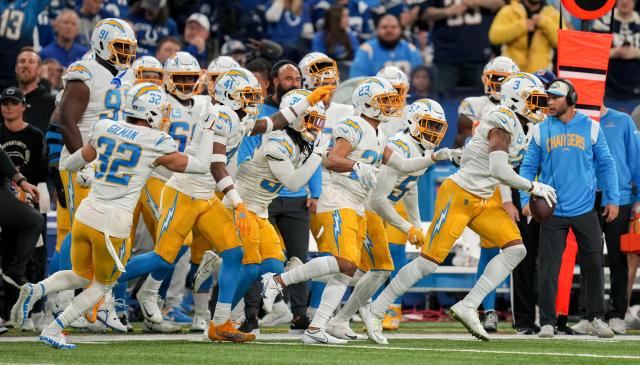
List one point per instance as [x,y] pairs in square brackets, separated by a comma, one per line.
[22,23]
[148,34]
[462,38]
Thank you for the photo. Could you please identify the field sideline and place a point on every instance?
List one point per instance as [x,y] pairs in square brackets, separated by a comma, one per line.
[416,344]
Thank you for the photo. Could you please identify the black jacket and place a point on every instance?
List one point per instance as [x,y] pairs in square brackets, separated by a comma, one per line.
[40,105]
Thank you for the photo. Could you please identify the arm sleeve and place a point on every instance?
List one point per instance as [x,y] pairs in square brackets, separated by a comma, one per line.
[381,205]
[530,167]
[408,165]
[505,193]
[7,167]
[504,30]
[606,168]
[500,169]
[412,206]
[315,184]
[294,179]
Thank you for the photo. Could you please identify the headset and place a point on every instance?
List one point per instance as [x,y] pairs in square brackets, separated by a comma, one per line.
[572,95]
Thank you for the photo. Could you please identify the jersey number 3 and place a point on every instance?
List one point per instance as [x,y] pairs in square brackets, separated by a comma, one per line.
[127,155]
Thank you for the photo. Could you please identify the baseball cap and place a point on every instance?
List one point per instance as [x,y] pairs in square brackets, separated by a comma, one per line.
[12,93]
[232,46]
[153,4]
[558,88]
[200,19]
[545,76]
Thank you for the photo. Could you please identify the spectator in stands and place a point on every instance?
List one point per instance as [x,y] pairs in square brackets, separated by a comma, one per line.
[196,35]
[119,8]
[65,49]
[39,101]
[388,48]
[288,24]
[624,144]
[528,32]
[236,50]
[336,39]
[360,16]
[635,115]
[623,78]
[420,84]
[167,47]
[90,13]
[261,69]
[566,151]
[21,224]
[151,22]
[20,27]
[461,46]
[51,70]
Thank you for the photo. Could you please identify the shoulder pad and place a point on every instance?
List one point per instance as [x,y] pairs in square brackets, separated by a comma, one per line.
[78,70]
[278,146]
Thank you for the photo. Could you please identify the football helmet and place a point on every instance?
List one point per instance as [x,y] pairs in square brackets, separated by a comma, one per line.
[216,67]
[523,93]
[114,41]
[494,74]
[318,69]
[183,76]
[397,78]
[312,120]
[239,89]
[147,101]
[376,98]
[148,69]
[427,122]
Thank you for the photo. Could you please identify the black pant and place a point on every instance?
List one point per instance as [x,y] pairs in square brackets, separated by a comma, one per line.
[21,228]
[553,238]
[291,217]
[617,261]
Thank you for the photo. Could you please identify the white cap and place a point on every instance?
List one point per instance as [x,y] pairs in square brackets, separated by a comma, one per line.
[200,19]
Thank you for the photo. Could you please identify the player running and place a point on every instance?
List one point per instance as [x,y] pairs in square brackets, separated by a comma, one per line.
[467,199]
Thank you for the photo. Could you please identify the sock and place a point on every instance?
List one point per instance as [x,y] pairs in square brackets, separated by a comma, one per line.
[248,275]
[144,264]
[222,314]
[166,282]
[399,257]
[315,268]
[151,284]
[317,287]
[496,271]
[228,275]
[364,289]
[120,295]
[486,254]
[405,280]
[62,280]
[80,304]
[331,298]
[271,265]
[201,303]
[64,260]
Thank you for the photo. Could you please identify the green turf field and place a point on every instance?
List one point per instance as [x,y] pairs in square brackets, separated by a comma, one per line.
[462,350]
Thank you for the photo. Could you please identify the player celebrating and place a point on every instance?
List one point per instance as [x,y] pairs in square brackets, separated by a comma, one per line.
[126,155]
[400,82]
[427,127]
[354,159]
[148,69]
[467,199]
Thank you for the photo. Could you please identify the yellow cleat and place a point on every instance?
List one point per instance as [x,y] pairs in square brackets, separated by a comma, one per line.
[227,332]
[392,318]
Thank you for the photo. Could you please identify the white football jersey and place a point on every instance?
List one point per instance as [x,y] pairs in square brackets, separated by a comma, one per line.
[396,124]
[344,190]
[334,113]
[181,126]
[226,125]
[126,153]
[473,175]
[106,98]
[256,183]
[475,107]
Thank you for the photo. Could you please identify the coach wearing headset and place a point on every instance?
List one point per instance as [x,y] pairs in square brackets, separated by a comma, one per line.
[567,151]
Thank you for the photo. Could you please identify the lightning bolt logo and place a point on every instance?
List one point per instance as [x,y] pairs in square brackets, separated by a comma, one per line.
[368,246]
[152,204]
[169,217]
[72,198]
[440,222]
[337,230]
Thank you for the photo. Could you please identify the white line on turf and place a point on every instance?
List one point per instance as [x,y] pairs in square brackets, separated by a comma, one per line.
[497,352]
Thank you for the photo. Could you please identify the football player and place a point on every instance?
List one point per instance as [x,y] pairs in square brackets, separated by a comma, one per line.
[427,127]
[126,155]
[148,69]
[400,82]
[359,148]
[467,199]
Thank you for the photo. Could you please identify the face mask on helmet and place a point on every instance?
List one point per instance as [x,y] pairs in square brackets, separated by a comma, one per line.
[492,81]
[211,82]
[147,74]
[430,131]
[323,72]
[389,104]
[537,106]
[313,124]
[123,52]
[402,90]
[162,123]
[250,99]
[184,84]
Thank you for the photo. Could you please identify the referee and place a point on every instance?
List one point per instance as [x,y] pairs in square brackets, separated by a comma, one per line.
[568,149]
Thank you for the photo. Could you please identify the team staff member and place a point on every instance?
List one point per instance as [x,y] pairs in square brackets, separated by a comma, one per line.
[568,149]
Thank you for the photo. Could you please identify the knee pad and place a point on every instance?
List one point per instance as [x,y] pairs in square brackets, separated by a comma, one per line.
[513,255]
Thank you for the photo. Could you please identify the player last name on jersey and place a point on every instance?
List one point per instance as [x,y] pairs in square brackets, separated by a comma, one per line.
[123,132]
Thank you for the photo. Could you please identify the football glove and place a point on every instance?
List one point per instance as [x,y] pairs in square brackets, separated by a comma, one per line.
[452,155]
[321,144]
[366,174]
[416,236]
[242,220]
[84,176]
[322,93]
[544,191]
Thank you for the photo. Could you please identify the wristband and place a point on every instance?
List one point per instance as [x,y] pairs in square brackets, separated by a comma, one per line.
[216,157]
[269,127]
[289,115]
[225,182]
[233,197]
